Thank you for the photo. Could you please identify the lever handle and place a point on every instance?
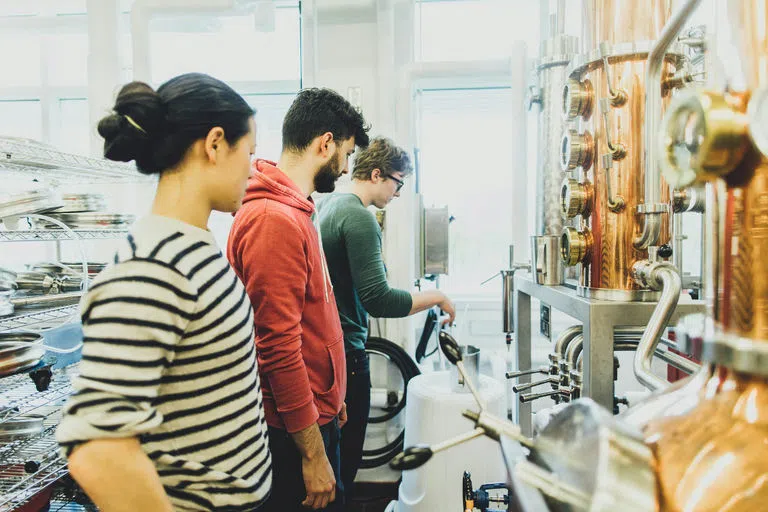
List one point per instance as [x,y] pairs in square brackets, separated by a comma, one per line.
[535,396]
[411,458]
[449,347]
[526,387]
[513,375]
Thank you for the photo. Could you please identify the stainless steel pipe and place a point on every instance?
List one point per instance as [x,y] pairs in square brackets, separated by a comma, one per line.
[666,277]
[653,99]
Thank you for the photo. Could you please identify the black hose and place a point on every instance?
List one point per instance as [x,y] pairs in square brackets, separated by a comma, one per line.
[408,369]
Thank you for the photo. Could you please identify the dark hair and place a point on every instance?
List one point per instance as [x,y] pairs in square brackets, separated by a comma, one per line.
[156,128]
[317,111]
[384,155]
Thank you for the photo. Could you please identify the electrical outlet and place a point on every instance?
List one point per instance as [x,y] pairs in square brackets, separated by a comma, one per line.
[545,326]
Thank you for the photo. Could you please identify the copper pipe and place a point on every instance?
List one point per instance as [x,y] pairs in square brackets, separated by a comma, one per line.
[653,103]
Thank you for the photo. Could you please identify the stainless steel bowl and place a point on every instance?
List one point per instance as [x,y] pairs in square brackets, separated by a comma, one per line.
[20,427]
[20,351]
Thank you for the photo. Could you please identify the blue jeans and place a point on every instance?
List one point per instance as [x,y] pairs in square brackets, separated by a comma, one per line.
[287,480]
[358,400]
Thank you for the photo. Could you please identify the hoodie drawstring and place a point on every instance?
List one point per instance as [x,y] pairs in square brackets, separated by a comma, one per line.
[326,273]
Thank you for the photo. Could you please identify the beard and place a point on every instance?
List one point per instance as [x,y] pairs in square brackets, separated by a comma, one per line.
[325,179]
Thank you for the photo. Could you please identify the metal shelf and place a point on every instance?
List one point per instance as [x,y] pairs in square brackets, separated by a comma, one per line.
[38,318]
[17,486]
[45,235]
[34,160]
[19,397]
[69,497]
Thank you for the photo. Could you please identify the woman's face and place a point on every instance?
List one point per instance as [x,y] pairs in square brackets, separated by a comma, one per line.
[233,169]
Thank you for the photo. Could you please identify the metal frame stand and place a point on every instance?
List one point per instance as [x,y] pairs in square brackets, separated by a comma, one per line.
[598,317]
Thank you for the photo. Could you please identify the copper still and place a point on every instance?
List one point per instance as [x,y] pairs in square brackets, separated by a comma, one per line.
[607,184]
[711,438]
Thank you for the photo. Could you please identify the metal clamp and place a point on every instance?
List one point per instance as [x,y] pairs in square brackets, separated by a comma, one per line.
[616,202]
[618,97]
[618,150]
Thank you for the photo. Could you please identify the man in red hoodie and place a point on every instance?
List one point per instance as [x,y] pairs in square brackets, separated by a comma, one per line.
[274,247]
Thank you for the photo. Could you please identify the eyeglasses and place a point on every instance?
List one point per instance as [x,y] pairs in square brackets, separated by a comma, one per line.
[400,183]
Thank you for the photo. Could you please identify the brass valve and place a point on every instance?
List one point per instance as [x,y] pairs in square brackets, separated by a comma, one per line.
[576,246]
[703,137]
[575,198]
[578,98]
[576,150]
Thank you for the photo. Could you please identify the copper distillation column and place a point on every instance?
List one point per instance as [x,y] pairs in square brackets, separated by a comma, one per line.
[604,145]
[711,441]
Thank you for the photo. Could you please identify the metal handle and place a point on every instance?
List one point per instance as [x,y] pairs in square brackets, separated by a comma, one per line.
[416,456]
[530,385]
[452,352]
[450,347]
[617,97]
[535,396]
[513,375]
[551,485]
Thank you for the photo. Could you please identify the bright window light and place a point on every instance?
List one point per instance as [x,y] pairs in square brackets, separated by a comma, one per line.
[474,178]
[461,30]
[214,45]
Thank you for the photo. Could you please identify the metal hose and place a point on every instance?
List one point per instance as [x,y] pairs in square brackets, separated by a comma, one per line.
[667,277]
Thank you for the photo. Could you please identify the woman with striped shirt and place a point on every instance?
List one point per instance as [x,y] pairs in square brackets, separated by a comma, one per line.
[167,411]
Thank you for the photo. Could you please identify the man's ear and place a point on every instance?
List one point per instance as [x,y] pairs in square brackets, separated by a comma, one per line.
[326,143]
[376,175]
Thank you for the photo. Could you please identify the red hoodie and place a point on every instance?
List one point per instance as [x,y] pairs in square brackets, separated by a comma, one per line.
[275,250]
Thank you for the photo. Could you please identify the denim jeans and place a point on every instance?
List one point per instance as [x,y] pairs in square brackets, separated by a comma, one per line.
[358,400]
[287,480]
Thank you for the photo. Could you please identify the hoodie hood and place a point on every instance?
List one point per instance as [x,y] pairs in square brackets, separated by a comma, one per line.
[269,182]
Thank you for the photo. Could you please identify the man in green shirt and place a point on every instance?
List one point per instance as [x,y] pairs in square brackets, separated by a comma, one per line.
[352,243]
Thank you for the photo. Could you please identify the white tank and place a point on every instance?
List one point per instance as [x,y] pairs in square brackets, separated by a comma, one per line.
[432,415]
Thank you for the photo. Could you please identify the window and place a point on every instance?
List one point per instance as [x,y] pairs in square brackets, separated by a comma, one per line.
[461,30]
[270,112]
[230,48]
[21,60]
[475,178]
[23,118]
[73,112]
[67,59]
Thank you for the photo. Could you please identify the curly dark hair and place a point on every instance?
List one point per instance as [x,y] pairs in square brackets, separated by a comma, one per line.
[317,111]
[384,155]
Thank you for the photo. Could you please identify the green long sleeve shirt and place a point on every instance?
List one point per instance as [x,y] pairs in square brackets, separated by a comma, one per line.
[352,244]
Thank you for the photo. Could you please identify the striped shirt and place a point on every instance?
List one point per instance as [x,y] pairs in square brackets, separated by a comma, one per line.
[169,358]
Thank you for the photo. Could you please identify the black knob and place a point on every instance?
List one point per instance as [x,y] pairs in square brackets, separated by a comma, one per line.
[665,251]
[411,458]
[31,466]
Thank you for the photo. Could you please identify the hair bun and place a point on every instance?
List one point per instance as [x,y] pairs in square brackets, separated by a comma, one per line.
[138,114]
